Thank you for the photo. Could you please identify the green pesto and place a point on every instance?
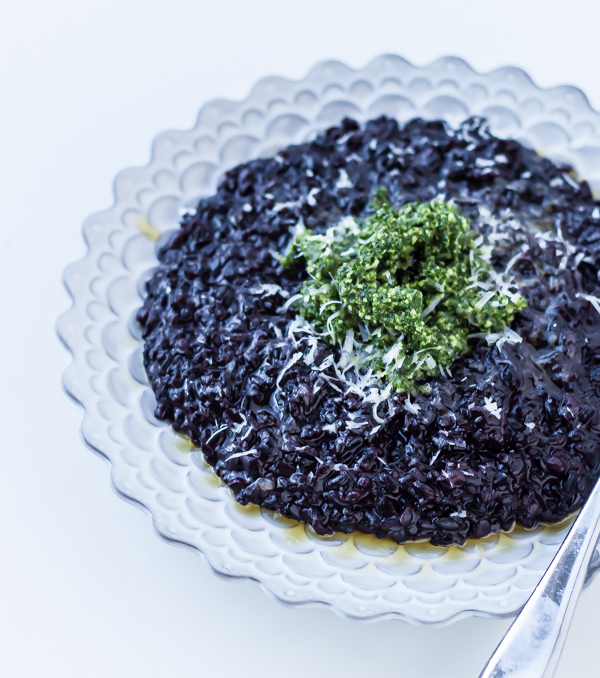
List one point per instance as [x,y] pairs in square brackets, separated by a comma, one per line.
[405,288]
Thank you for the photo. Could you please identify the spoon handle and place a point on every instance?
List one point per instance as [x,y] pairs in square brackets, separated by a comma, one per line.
[532,646]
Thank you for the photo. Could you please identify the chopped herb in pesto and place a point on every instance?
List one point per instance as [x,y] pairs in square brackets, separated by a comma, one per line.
[402,290]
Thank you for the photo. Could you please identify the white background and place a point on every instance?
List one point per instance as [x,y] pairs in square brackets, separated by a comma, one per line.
[86,588]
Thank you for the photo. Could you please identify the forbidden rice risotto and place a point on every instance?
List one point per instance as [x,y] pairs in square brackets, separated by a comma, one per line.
[346,424]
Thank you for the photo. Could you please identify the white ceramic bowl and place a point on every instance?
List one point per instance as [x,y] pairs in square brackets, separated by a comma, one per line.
[355,575]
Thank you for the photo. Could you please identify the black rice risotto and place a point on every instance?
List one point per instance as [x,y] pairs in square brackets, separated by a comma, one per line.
[510,435]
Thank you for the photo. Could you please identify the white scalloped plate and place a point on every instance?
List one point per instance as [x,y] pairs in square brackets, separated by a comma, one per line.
[355,575]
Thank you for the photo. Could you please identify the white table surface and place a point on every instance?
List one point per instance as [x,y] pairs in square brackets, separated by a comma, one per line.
[87,590]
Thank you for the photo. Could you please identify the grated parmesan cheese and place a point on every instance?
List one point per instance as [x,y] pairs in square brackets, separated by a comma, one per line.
[269,288]
[283,205]
[413,408]
[492,407]
[343,180]
[310,198]
[224,427]
[295,358]
[594,301]
[241,454]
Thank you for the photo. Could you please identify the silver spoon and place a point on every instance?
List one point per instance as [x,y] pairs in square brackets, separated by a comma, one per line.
[532,646]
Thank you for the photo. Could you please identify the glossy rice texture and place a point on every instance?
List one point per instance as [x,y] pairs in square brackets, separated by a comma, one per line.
[512,435]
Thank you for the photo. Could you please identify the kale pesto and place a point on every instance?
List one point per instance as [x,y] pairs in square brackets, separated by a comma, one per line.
[403,289]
